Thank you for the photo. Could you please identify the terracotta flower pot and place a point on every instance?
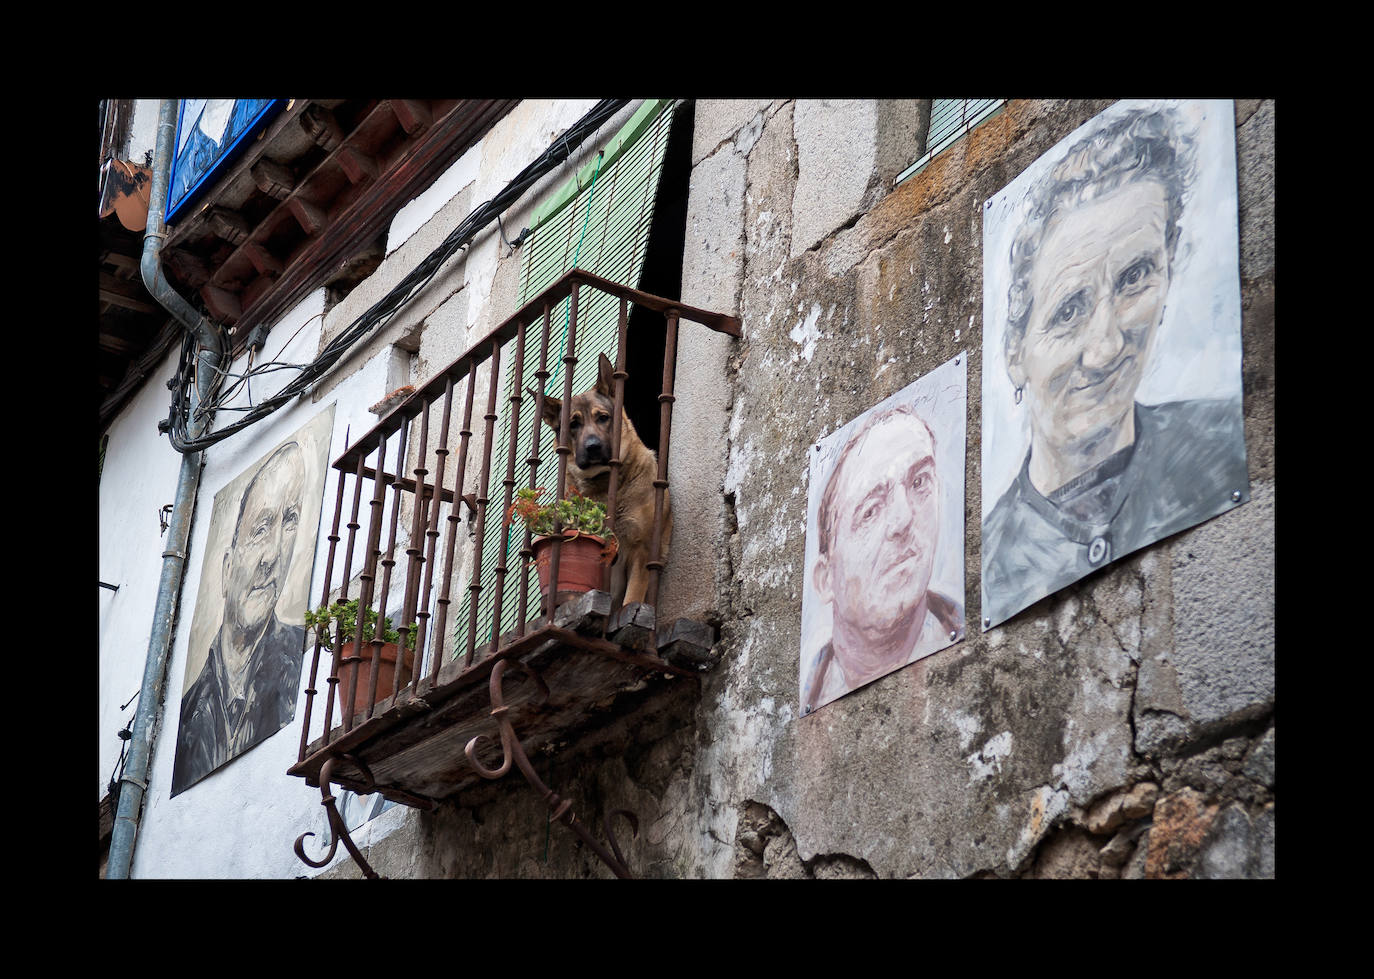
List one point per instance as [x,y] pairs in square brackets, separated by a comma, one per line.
[386,674]
[581,561]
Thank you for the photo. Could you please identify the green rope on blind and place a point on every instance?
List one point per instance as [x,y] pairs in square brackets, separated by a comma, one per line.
[577,253]
[562,350]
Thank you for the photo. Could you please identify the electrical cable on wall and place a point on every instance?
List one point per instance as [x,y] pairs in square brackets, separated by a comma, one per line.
[244,380]
[125,734]
[379,314]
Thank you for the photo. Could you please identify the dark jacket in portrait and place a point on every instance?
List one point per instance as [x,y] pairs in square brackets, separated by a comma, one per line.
[217,726]
[1187,459]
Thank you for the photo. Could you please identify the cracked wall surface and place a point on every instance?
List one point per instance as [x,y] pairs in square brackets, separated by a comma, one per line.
[1069,742]
[1122,727]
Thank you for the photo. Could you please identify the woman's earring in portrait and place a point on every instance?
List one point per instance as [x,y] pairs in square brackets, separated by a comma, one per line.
[1018,395]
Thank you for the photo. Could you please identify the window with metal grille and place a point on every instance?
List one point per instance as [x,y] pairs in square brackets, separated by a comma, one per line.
[599,221]
[949,120]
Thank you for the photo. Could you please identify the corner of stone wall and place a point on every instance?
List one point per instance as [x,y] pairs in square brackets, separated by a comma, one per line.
[705,381]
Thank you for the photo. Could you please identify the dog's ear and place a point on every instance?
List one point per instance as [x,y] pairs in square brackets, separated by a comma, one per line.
[553,408]
[605,376]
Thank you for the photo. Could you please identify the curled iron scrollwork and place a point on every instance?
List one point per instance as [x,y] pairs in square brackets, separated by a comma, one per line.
[513,753]
[337,828]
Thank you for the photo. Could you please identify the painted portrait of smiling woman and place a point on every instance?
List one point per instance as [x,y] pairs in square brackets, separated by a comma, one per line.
[1111,348]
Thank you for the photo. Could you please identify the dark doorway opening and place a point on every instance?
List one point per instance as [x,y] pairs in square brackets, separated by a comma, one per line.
[661,276]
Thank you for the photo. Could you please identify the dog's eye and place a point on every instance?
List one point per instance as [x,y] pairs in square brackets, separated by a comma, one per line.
[603,416]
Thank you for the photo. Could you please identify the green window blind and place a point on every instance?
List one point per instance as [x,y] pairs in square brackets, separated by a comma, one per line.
[949,120]
[599,221]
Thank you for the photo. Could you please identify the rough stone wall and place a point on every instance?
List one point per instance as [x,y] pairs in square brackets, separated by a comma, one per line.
[1122,727]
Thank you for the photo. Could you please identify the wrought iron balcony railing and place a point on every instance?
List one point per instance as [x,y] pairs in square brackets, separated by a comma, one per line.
[419,739]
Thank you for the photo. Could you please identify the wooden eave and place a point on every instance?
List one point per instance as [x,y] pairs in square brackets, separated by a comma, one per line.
[134,331]
[307,202]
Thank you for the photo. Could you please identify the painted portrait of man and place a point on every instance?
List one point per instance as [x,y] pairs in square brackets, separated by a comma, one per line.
[1111,358]
[884,556]
[243,676]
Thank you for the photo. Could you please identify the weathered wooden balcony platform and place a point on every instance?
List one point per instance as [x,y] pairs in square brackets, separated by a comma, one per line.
[592,672]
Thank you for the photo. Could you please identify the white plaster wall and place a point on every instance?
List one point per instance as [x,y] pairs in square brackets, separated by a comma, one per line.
[140,475]
[143,130]
[241,821]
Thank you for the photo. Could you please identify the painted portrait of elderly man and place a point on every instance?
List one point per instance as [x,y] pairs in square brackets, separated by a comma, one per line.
[885,538]
[247,637]
[1111,352]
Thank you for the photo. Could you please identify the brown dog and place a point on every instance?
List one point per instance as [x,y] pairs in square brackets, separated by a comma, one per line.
[589,472]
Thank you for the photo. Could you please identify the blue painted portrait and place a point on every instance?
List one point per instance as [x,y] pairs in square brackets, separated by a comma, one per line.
[210,134]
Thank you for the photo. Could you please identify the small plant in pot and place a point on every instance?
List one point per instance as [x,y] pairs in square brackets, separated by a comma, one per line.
[588,547]
[341,619]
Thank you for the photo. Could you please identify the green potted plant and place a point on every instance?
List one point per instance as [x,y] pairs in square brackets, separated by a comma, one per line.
[587,545]
[341,619]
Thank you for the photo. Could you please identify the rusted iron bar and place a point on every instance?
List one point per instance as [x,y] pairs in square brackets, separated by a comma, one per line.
[665,428]
[432,535]
[310,690]
[454,518]
[542,378]
[407,484]
[353,526]
[414,551]
[513,752]
[366,579]
[564,445]
[377,640]
[475,589]
[617,414]
[470,360]
[503,554]
[610,834]
[719,322]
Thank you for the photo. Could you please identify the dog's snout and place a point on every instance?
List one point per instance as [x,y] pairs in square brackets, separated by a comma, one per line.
[591,451]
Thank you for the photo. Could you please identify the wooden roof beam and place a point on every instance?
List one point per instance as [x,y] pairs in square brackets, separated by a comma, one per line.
[125,293]
[228,225]
[413,115]
[320,125]
[312,219]
[273,179]
[357,165]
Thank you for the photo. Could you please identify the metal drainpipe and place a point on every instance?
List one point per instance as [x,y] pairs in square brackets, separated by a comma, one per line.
[134,782]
